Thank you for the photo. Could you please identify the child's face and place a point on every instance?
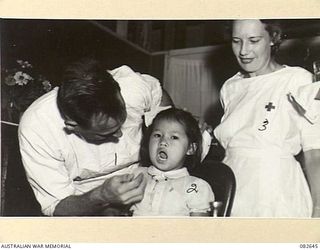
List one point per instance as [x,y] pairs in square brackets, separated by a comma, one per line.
[168,145]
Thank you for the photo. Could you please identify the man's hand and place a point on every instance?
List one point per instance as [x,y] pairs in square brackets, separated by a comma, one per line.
[123,189]
[118,190]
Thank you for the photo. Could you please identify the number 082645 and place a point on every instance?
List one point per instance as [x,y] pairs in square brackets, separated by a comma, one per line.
[308,246]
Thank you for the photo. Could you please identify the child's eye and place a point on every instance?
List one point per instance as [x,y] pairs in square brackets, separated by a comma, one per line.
[174,137]
[156,135]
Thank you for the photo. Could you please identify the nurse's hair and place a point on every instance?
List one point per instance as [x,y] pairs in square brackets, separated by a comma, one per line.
[192,131]
[88,90]
[273,27]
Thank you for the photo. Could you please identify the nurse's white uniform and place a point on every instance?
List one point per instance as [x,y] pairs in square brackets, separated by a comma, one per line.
[262,132]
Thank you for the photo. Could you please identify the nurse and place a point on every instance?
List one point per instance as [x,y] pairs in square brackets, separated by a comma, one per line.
[262,131]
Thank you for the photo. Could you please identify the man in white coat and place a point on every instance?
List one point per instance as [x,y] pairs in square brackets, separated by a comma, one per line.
[79,141]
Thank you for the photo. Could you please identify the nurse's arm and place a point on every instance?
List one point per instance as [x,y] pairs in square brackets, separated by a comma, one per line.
[312,166]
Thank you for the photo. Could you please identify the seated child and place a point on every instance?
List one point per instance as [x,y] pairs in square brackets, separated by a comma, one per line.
[170,190]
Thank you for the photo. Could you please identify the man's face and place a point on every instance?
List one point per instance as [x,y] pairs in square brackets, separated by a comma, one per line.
[103,129]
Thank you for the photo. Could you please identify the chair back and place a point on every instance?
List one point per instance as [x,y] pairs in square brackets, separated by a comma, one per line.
[222,181]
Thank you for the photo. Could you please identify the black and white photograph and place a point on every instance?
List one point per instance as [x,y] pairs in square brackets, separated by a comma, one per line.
[205,118]
[95,94]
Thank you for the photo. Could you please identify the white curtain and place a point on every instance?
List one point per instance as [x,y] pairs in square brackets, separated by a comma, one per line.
[190,82]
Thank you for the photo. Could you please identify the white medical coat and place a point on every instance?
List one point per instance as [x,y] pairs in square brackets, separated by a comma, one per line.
[53,159]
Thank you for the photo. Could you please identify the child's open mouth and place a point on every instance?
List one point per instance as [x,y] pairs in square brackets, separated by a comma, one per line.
[162,155]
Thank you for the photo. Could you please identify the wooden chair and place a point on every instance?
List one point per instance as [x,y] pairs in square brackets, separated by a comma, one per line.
[222,181]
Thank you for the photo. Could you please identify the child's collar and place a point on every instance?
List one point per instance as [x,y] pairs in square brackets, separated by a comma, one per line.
[165,175]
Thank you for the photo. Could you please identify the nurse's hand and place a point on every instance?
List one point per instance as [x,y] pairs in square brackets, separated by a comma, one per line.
[123,189]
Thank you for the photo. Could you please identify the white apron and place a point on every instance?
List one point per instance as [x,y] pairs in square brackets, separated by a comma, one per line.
[261,132]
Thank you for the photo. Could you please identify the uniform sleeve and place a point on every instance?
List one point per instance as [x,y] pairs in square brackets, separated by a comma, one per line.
[44,167]
[304,100]
[199,195]
[308,97]
[227,92]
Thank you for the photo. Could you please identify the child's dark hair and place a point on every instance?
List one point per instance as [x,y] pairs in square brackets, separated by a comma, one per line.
[192,131]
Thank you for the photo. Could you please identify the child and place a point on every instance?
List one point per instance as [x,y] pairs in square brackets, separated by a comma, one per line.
[170,191]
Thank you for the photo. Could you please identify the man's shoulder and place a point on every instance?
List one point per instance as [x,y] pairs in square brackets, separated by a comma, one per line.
[125,75]
[121,72]
[41,109]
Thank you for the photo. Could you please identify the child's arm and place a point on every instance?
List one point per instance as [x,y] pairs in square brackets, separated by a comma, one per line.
[199,197]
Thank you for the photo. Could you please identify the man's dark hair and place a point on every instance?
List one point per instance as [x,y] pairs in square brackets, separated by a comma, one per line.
[86,90]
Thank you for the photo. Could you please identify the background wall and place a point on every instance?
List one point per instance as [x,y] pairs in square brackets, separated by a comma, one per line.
[51,44]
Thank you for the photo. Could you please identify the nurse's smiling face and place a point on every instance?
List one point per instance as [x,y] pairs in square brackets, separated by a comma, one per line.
[251,44]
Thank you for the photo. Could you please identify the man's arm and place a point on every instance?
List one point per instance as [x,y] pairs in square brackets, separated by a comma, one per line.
[118,190]
[51,183]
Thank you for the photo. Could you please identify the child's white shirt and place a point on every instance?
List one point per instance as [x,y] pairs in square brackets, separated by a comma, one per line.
[173,193]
